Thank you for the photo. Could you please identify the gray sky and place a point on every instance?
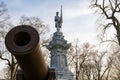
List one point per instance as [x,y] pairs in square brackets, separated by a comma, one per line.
[78,19]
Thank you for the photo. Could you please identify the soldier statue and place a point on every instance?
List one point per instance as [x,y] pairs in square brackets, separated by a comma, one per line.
[58,21]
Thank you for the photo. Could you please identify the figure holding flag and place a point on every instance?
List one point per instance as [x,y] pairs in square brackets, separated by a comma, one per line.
[58,20]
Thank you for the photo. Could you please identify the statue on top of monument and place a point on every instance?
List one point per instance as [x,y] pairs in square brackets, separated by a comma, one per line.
[58,20]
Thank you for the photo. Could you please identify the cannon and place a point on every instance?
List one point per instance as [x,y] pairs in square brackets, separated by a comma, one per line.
[23,42]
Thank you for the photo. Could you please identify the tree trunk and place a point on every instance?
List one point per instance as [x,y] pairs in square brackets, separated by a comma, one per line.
[116,25]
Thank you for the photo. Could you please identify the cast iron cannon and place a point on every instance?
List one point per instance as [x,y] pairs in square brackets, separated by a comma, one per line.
[23,42]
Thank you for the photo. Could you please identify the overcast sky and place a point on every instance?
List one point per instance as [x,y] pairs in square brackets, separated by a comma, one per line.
[78,19]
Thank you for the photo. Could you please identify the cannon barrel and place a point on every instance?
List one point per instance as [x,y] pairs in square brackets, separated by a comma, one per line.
[23,42]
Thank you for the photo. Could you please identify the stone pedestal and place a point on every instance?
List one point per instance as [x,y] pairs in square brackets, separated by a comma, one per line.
[58,49]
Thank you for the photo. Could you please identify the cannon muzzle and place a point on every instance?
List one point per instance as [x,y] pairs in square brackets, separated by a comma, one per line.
[23,42]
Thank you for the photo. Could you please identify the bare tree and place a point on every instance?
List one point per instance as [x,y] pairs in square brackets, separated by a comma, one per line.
[73,58]
[5,25]
[109,11]
[115,70]
[89,63]
[79,59]
[102,66]
[4,20]
[40,27]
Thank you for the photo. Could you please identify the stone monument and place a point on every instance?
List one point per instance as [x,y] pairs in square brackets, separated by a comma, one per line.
[58,49]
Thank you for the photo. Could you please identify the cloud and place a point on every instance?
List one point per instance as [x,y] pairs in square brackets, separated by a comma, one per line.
[76,9]
[76,12]
[83,37]
[73,13]
[76,15]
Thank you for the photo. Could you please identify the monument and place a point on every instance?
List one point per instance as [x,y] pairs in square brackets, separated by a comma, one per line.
[58,49]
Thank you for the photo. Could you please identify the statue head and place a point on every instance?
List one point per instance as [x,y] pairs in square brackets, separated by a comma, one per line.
[57,13]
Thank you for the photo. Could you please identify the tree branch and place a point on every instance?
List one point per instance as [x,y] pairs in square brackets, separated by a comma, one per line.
[5,60]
